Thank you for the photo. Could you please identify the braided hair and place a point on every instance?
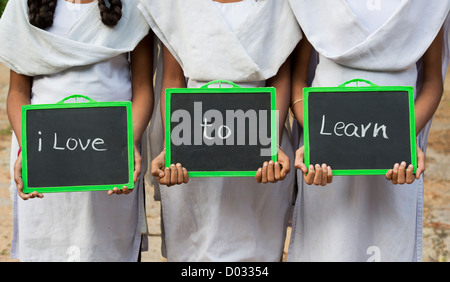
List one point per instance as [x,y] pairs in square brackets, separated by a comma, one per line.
[41,12]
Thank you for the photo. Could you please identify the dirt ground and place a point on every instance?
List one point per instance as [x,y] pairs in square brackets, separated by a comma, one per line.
[436,239]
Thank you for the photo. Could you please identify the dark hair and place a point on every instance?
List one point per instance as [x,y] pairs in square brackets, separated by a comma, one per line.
[41,12]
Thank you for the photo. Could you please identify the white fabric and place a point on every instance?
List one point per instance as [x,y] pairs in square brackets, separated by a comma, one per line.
[71,13]
[31,51]
[107,80]
[247,60]
[374,13]
[234,13]
[81,226]
[356,47]
[363,218]
[225,219]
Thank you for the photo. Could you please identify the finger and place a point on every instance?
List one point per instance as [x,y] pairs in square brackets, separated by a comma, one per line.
[166,178]
[173,174]
[258,175]
[309,178]
[117,191]
[324,175]
[179,173]
[35,194]
[401,173]
[389,174]
[264,172]
[420,163]
[329,174]
[277,171]
[127,190]
[137,168]
[19,182]
[318,176]
[285,168]
[298,162]
[395,174]
[270,172]
[157,165]
[410,174]
[185,175]
[32,195]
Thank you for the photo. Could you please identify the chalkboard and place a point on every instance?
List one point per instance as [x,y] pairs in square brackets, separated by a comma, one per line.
[222,131]
[68,147]
[359,130]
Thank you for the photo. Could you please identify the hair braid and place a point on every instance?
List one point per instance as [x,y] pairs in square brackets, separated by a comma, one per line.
[40,12]
[112,14]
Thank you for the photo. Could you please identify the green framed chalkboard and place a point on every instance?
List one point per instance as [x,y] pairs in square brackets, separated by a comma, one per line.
[220,131]
[359,130]
[71,147]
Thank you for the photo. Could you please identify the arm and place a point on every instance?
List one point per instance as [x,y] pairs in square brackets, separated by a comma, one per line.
[173,77]
[270,171]
[425,106]
[430,95]
[19,94]
[142,100]
[318,174]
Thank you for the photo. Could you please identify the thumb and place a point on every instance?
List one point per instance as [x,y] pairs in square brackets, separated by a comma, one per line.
[156,168]
[299,158]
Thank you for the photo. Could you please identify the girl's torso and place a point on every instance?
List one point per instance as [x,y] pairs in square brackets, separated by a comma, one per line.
[105,81]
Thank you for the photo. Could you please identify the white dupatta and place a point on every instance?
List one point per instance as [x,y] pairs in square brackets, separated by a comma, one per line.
[254,52]
[32,51]
[345,40]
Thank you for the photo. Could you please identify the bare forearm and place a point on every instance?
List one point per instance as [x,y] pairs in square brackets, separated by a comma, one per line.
[282,84]
[18,95]
[173,77]
[142,81]
[430,95]
[426,105]
[300,67]
[142,111]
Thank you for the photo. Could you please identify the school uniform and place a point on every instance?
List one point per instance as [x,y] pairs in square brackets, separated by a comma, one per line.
[78,54]
[364,218]
[226,219]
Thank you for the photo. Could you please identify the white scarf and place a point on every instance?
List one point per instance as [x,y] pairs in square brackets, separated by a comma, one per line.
[32,51]
[253,52]
[346,41]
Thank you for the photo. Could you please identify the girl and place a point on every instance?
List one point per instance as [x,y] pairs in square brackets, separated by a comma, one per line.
[249,43]
[367,218]
[54,49]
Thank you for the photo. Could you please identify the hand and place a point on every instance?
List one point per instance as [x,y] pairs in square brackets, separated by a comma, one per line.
[317,175]
[274,171]
[137,171]
[176,174]
[19,181]
[398,175]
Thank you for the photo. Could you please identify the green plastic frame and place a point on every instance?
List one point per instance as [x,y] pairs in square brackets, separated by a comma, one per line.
[90,104]
[206,90]
[371,87]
